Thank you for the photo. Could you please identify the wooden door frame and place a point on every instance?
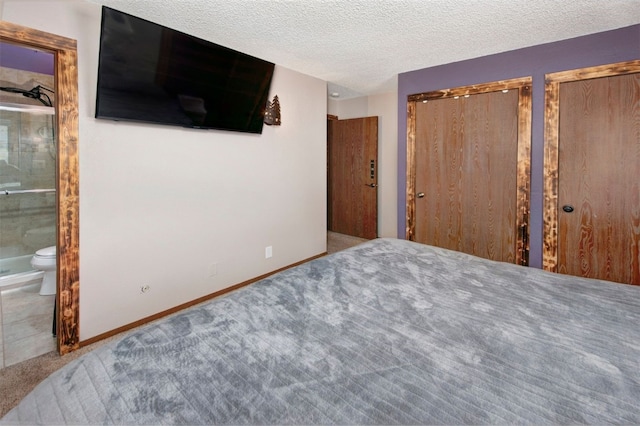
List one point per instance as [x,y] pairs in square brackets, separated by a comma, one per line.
[330,117]
[551,146]
[523,85]
[67,177]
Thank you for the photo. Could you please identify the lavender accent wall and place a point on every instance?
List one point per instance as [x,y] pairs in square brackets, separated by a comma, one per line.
[596,49]
[26,59]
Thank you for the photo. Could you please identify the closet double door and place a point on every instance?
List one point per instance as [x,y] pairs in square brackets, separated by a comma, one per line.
[468,169]
[592,171]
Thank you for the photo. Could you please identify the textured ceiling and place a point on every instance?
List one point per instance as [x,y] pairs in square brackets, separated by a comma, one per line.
[360,46]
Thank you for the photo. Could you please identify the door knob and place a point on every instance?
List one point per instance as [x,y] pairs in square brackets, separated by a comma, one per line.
[567,208]
[420,194]
[372,185]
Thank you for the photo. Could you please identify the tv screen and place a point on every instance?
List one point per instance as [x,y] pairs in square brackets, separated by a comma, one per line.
[151,73]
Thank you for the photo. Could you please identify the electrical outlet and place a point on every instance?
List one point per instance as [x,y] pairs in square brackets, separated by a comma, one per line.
[268,252]
[213,270]
[145,288]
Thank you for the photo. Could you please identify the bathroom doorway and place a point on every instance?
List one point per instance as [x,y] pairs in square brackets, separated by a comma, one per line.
[39,144]
[27,199]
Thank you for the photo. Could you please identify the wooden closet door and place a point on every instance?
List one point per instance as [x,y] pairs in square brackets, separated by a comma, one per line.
[466,157]
[599,178]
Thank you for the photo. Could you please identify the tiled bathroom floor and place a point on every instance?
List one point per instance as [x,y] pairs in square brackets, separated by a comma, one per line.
[26,322]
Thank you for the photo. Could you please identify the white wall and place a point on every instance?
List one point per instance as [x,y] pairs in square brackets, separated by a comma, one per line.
[383,106]
[187,212]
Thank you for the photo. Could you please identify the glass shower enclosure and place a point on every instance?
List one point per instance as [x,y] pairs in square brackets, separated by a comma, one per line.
[27,188]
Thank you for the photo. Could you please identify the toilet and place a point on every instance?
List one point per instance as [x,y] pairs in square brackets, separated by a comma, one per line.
[45,260]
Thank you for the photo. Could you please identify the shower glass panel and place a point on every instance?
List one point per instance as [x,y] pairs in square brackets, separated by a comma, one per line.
[27,184]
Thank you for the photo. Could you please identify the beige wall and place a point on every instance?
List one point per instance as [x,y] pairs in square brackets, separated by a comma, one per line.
[187,212]
[384,107]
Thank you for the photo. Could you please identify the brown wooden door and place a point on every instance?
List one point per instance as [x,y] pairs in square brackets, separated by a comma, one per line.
[353,176]
[470,160]
[599,178]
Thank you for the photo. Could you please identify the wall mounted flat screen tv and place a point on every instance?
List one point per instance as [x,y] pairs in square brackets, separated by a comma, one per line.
[151,73]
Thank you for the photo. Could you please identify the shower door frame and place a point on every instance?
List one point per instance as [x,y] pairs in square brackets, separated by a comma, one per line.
[67,176]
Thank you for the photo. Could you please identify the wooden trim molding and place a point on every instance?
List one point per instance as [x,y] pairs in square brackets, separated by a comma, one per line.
[523,85]
[411,170]
[550,200]
[67,176]
[551,147]
[473,89]
[608,70]
[523,179]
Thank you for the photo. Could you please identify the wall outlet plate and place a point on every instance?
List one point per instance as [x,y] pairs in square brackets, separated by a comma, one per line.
[213,270]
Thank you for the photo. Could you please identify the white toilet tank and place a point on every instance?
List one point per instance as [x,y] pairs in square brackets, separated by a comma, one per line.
[45,260]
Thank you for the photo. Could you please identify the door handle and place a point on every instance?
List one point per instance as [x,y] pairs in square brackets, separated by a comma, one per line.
[420,195]
[372,185]
[567,208]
